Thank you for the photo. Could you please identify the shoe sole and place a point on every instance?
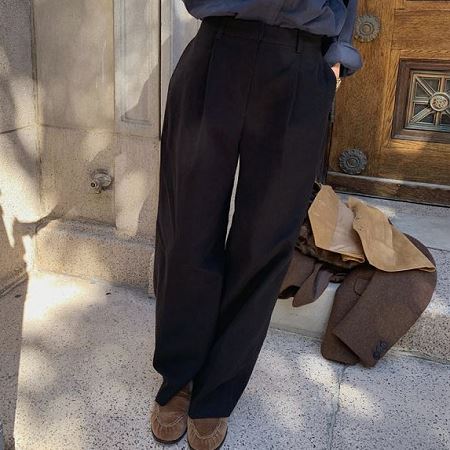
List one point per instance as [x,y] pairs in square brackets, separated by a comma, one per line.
[217,448]
[168,442]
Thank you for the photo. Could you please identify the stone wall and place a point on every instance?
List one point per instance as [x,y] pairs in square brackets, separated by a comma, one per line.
[98,97]
[98,103]
[83,88]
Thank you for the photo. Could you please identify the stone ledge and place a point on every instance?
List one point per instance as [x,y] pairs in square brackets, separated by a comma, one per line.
[93,251]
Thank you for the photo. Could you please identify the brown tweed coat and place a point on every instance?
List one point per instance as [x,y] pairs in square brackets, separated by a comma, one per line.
[372,308]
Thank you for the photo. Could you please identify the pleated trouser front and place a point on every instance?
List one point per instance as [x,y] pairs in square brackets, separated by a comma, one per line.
[261,94]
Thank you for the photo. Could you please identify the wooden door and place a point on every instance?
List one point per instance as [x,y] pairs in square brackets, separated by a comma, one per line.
[391,123]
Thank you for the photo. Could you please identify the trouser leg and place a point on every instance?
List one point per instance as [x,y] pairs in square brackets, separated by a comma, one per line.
[199,152]
[286,117]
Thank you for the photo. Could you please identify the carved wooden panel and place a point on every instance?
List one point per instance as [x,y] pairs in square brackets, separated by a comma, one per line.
[429,101]
[394,109]
[422,108]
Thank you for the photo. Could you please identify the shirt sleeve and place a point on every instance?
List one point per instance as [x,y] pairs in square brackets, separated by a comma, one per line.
[341,49]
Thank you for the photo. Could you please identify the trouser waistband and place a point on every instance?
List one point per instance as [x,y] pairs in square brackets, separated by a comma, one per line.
[258,30]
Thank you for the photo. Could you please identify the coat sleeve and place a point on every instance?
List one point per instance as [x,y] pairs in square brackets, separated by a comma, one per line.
[341,49]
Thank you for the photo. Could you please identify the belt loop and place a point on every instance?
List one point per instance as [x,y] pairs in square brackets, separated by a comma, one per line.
[300,42]
[219,32]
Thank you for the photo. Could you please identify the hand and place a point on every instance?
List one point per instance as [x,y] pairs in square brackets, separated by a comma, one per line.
[336,68]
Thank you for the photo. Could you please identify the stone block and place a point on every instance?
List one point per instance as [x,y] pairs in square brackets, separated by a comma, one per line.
[16,70]
[136,185]
[75,62]
[137,70]
[178,27]
[68,158]
[93,251]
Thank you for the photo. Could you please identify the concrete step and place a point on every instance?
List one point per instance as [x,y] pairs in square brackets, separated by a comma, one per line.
[77,374]
[430,336]
[91,250]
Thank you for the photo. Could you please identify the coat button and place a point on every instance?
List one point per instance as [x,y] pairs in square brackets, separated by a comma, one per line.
[376,354]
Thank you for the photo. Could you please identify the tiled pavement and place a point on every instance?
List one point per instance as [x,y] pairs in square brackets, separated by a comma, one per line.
[76,374]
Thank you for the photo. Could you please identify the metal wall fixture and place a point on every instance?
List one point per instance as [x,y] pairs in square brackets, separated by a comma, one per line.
[100,180]
[367,28]
[352,161]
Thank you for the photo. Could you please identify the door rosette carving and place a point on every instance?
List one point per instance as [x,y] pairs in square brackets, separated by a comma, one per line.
[367,28]
[352,161]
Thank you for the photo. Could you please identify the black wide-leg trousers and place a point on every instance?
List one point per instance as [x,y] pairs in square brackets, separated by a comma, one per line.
[261,94]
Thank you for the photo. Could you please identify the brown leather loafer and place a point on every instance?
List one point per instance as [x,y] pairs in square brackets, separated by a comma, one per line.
[207,434]
[169,422]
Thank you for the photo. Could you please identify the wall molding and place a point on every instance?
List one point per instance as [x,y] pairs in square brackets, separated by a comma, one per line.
[137,75]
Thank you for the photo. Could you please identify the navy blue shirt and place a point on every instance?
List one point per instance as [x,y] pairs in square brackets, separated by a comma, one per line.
[325,17]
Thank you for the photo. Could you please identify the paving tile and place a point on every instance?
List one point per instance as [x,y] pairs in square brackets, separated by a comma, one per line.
[290,398]
[403,404]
